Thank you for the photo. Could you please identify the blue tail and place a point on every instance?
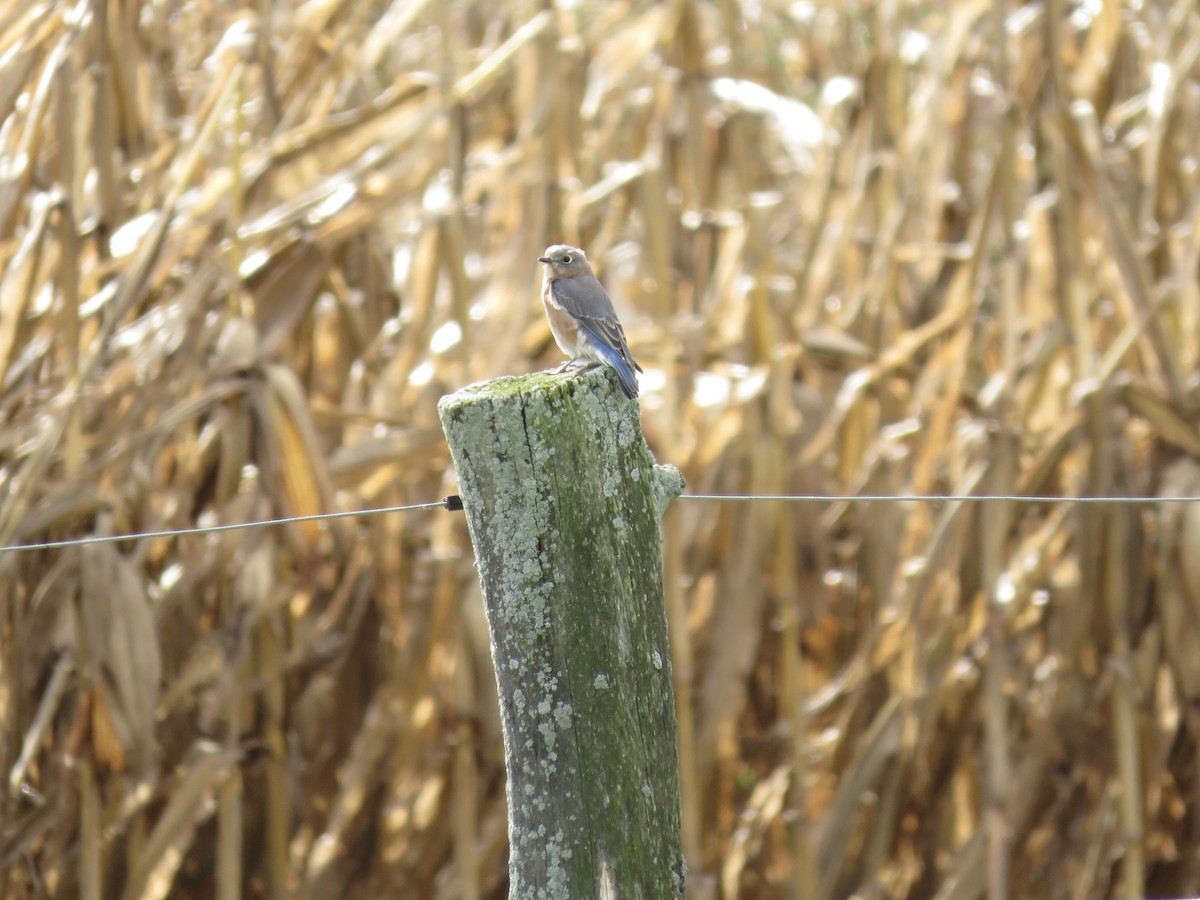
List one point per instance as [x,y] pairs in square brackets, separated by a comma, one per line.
[615,361]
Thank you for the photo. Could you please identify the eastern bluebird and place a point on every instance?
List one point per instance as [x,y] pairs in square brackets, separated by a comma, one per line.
[582,318]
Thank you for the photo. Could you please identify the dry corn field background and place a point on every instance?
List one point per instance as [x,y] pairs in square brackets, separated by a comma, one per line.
[858,247]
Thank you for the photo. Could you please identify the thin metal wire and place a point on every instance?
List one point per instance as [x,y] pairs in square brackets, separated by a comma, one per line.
[453,503]
[216,529]
[934,498]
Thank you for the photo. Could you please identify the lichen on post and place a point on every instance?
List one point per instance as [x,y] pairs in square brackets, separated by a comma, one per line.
[563,501]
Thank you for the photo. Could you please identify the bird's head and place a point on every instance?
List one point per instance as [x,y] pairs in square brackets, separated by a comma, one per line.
[565,261]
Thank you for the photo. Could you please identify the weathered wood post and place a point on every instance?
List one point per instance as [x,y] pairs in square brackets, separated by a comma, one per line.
[563,502]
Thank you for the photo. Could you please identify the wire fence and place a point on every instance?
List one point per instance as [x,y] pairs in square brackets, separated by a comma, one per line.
[453,503]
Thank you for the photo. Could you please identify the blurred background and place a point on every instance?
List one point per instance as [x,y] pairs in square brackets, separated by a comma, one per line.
[859,248]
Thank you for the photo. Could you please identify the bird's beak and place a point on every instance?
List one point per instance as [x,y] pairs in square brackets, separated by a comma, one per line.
[544,259]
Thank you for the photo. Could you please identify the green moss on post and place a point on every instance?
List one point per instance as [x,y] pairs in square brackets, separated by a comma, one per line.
[563,503]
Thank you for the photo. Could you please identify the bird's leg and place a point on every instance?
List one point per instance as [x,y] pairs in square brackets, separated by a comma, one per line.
[577,363]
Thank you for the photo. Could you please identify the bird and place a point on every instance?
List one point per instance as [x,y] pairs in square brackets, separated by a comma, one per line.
[581,315]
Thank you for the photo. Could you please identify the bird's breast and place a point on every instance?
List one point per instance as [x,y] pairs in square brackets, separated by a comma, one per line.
[563,325]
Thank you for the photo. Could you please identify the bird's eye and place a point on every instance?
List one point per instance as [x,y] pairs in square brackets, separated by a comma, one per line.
[566,258]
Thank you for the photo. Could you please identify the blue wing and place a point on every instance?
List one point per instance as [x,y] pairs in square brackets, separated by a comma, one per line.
[586,300]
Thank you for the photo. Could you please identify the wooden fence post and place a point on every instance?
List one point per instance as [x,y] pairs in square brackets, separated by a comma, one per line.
[563,501]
